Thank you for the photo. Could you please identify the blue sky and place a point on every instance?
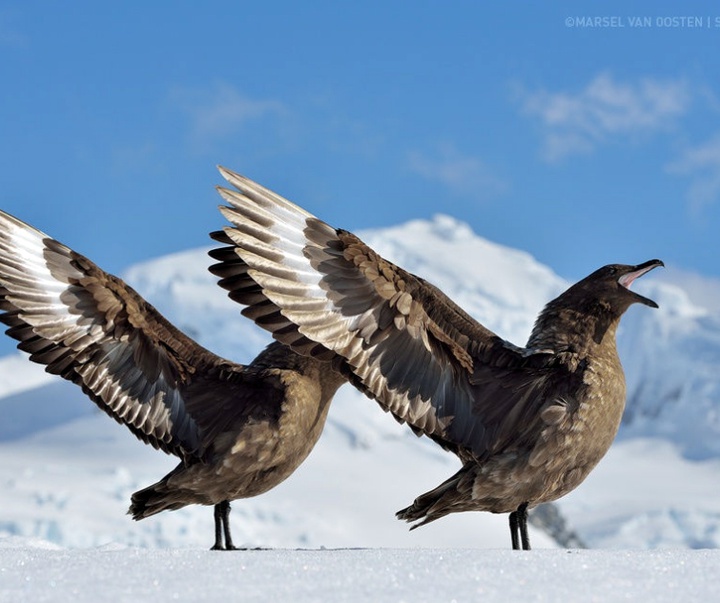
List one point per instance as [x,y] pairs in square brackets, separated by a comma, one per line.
[581,144]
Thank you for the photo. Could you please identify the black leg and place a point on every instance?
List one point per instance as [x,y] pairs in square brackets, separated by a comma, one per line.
[229,546]
[217,513]
[522,524]
[222,528]
[518,528]
[514,530]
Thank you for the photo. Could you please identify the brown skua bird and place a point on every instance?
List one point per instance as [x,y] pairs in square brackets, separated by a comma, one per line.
[528,423]
[238,430]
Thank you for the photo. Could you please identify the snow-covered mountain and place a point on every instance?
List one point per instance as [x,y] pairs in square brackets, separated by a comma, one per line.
[67,471]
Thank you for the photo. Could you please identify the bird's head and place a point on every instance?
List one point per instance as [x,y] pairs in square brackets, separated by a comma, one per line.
[589,309]
[610,286]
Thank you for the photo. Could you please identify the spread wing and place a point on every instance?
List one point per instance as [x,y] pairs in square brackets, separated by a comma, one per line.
[406,344]
[92,329]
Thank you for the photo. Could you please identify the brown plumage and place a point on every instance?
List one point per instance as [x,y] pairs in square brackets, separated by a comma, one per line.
[238,430]
[528,423]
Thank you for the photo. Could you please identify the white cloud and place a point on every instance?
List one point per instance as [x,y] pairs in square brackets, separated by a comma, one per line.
[702,290]
[603,111]
[702,165]
[463,174]
[220,111]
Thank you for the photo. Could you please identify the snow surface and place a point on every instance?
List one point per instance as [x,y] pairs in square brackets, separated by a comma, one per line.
[67,470]
[35,571]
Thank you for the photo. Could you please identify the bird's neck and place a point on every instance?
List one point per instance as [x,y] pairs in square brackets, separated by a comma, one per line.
[578,330]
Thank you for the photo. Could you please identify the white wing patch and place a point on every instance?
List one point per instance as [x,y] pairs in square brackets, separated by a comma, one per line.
[275,248]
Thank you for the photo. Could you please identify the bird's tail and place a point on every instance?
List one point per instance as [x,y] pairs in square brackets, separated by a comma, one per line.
[434,504]
[154,499]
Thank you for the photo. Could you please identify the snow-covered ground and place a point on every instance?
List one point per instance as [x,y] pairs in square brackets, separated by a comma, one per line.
[37,571]
[67,470]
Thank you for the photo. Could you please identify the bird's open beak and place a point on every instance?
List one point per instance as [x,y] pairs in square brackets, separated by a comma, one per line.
[636,272]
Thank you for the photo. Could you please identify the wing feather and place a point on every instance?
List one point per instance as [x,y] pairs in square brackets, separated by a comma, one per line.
[92,329]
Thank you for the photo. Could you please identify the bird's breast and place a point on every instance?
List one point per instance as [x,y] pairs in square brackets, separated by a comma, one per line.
[572,447]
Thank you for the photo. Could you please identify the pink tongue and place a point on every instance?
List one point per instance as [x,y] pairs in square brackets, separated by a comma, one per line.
[628,279]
